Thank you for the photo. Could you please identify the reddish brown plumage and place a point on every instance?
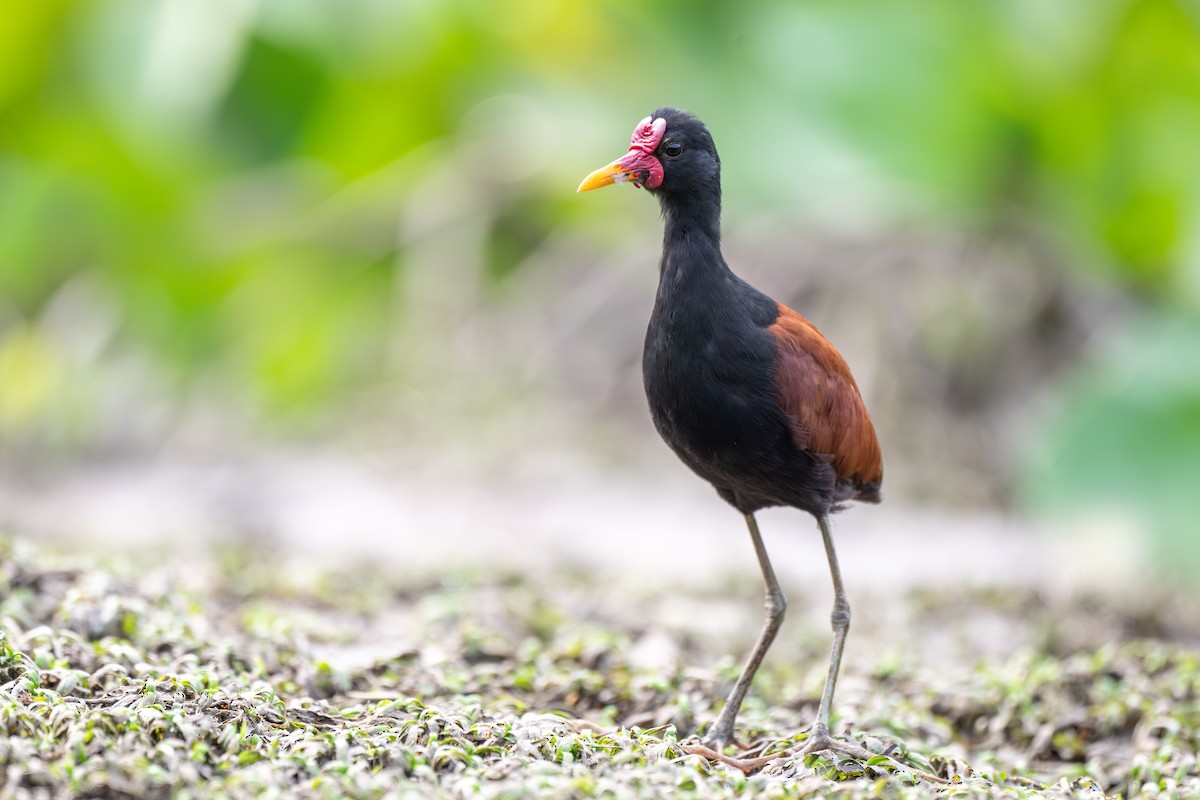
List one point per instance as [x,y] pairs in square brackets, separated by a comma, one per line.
[818,392]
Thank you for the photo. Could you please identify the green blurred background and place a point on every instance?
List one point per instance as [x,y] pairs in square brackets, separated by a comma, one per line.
[281,221]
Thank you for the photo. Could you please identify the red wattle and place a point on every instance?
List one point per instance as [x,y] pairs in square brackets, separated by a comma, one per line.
[640,162]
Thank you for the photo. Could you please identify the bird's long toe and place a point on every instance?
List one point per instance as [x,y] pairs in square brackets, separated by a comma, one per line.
[822,742]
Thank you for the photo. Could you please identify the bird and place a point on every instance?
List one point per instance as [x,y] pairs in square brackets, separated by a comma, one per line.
[745,391]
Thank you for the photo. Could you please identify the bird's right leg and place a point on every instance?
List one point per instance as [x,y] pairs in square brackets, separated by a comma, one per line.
[721,733]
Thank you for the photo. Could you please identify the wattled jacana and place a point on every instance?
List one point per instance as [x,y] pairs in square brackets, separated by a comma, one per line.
[745,391]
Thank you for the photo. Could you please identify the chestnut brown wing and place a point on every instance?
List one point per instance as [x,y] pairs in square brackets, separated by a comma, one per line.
[818,392]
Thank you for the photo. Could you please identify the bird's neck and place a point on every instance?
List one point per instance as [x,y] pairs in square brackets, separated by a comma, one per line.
[692,216]
[691,239]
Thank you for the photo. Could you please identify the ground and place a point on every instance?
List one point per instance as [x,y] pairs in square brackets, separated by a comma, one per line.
[237,671]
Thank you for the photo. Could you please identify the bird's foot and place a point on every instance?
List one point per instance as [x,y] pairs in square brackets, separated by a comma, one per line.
[820,741]
[713,748]
[717,738]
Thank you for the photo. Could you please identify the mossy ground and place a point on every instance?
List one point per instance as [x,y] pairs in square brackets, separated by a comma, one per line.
[240,673]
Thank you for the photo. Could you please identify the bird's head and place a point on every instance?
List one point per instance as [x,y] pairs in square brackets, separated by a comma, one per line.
[671,151]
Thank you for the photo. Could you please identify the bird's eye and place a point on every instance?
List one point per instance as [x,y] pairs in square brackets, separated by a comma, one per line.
[672,149]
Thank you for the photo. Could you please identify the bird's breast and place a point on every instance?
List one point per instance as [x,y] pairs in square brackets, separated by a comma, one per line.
[709,386]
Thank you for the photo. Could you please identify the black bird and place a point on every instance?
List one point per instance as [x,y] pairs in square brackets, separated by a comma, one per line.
[746,391]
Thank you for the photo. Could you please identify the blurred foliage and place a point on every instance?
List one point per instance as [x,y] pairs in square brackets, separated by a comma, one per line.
[287,200]
[1125,442]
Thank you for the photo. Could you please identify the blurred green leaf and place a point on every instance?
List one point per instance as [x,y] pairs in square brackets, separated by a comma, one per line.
[1125,441]
[233,187]
[266,108]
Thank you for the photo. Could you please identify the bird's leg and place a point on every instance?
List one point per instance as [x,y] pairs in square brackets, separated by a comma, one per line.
[819,738]
[721,732]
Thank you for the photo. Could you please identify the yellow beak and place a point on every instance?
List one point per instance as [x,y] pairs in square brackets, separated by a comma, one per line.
[616,172]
